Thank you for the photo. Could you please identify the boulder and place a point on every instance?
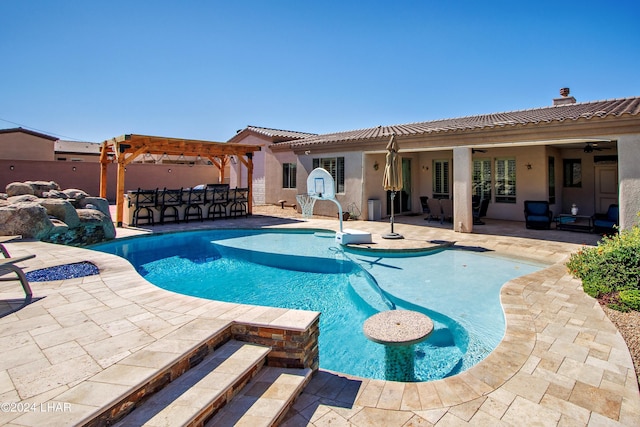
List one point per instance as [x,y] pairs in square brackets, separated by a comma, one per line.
[40,187]
[98,203]
[23,198]
[28,219]
[94,217]
[62,210]
[18,189]
[54,194]
[74,193]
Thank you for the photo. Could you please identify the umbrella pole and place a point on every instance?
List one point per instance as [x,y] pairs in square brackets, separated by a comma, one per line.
[393,196]
[392,235]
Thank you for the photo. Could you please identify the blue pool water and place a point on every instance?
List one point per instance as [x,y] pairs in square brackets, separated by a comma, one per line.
[308,270]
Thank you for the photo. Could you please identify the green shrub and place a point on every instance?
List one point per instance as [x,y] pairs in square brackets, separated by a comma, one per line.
[630,298]
[610,267]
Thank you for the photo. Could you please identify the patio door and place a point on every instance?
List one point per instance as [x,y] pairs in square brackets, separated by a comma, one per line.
[402,202]
[606,187]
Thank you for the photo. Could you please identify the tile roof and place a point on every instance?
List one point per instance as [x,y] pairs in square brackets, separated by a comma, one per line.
[277,135]
[544,115]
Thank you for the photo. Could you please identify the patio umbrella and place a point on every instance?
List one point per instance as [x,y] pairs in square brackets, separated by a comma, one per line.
[392,179]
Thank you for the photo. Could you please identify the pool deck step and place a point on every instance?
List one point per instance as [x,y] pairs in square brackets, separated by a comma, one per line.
[265,400]
[199,393]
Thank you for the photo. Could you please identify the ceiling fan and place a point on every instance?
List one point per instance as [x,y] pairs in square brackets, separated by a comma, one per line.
[590,147]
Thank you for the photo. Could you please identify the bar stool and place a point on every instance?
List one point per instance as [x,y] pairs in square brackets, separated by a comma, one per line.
[218,195]
[195,198]
[143,201]
[169,200]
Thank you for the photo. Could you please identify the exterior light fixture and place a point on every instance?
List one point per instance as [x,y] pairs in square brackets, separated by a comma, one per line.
[376,166]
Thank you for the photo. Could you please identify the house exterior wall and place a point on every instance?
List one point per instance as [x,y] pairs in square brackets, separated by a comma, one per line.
[23,146]
[273,177]
[74,157]
[238,172]
[353,180]
[629,179]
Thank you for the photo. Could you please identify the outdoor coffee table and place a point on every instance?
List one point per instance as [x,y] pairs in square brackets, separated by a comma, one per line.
[574,222]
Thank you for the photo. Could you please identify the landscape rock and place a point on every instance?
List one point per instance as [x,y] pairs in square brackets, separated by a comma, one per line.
[62,210]
[40,187]
[18,189]
[55,194]
[41,211]
[98,203]
[28,219]
[74,193]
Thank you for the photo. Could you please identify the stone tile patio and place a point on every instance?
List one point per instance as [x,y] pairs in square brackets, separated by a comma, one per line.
[561,362]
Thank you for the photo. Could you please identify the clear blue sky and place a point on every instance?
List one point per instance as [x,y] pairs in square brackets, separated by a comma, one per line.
[92,70]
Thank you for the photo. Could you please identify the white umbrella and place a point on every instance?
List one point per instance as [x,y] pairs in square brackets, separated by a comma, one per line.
[392,179]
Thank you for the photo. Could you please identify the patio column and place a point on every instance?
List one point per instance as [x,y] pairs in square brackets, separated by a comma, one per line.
[462,186]
[629,179]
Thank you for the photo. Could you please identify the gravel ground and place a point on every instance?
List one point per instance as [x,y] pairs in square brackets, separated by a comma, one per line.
[629,326]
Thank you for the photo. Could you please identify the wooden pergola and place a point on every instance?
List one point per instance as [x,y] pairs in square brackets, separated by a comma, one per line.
[125,149]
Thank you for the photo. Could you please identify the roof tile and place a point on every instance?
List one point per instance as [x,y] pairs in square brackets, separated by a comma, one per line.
[558,113]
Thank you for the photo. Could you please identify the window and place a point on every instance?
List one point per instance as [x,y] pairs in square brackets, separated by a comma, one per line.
[289,175]
[506,180]
[482,178]
[440,179]
[572,173]
[552,180]
[335,167]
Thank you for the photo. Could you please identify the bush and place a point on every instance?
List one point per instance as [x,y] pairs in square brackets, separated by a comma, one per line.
[630,298]
[611,267]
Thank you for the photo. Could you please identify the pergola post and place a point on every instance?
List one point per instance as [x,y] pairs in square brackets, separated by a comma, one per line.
[104,161]
[120,191]
[250,182]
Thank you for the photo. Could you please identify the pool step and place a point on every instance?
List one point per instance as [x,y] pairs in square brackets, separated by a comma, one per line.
[265,400]
[199,393]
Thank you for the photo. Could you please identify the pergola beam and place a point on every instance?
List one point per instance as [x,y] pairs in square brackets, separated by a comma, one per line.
[126,148]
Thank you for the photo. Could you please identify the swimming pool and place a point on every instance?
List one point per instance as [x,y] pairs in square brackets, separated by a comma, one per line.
[303,269]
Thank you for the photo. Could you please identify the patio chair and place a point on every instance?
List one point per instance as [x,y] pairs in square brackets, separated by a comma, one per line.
[424,202]
[537,214]
[435,210]
[480,211]
[8,266]
[447,210]
[606,223]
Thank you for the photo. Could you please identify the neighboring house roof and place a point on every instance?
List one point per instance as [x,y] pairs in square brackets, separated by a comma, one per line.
[276,135]
[545,115]
[77,147]
[29,132]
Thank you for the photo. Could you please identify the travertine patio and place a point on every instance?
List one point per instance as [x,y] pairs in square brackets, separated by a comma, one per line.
[562,362]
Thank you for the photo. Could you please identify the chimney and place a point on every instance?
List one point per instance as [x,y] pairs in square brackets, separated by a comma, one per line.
[564,98]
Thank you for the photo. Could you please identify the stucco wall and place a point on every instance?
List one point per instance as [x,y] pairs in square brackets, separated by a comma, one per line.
[273,178]
[86,176]
[353,181]
[22,146]
[629,178]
